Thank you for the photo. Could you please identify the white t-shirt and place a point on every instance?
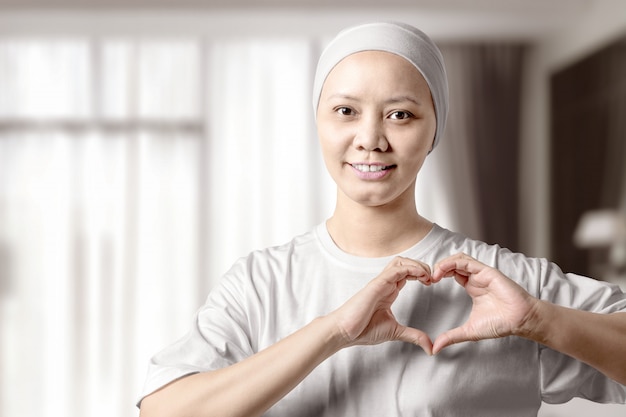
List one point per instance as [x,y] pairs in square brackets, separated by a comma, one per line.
[272,293]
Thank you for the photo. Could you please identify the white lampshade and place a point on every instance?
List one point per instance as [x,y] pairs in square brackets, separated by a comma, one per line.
[600,228]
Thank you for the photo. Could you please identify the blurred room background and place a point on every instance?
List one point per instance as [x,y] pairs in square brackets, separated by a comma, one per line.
[145,145]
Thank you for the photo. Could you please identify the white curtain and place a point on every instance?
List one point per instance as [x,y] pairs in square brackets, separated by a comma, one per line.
[265,173]
[132,174]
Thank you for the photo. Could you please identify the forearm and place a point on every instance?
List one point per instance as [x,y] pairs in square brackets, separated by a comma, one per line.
[598,340]
[253,385]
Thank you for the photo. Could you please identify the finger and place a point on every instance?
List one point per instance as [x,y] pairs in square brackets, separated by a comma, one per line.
[416,337]
[421,277]
[402,261]
[451,337]
[457,264]
[461,279]
[424,266]
[405,268]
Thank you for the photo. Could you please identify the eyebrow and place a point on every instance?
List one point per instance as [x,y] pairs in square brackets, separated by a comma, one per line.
[392,100]
[399,99]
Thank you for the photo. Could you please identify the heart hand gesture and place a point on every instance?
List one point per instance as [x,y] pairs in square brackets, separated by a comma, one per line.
[500,306]
[367,319]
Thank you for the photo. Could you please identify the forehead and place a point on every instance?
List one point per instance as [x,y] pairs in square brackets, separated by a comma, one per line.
[376,69]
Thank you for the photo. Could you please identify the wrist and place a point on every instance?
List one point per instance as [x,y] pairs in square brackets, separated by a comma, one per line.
[335,338]
[535,325]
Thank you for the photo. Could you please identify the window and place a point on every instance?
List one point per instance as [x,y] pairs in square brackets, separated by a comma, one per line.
[133,172]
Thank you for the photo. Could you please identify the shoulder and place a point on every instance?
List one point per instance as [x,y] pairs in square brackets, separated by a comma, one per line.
[539,276]
[255,276]
[527,271]
[272,262]
[491,254]
[278,256]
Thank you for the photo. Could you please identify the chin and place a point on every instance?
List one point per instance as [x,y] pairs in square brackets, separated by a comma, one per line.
[381,199]
[371,201]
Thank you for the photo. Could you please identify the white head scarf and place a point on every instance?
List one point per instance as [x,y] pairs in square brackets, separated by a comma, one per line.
[398,38]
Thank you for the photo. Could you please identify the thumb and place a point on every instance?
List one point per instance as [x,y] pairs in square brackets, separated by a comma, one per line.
[452,336]
[416,337]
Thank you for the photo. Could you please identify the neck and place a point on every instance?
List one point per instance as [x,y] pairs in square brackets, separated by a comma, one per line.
[376,231]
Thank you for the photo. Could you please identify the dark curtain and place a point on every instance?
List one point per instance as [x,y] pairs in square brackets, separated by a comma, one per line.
[486,90]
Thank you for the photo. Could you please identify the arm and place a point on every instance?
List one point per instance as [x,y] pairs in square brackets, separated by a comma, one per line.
[253,385]
[598,340]
[503,308]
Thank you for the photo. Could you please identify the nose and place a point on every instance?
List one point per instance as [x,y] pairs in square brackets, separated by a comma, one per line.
[370,135]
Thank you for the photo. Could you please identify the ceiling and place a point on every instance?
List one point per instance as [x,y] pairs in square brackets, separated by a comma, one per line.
[440,18]
[513,6]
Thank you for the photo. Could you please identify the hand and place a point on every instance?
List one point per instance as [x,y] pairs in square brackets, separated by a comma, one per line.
[500,306]
[366,318]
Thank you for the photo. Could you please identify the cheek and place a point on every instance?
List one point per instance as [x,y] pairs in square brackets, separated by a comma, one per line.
[424,137]
[333,140]
[328,148]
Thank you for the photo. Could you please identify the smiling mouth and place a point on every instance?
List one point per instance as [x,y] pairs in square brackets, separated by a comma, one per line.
[371,168]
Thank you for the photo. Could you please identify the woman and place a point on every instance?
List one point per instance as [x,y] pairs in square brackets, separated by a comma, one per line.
[306,328]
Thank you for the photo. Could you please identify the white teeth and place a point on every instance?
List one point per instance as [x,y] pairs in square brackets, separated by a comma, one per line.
[368,168]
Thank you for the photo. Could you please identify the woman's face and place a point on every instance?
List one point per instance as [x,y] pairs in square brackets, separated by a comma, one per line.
[376,124]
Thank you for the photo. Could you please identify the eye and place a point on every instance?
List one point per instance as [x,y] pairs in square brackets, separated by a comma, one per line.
[400,115]
[345,111]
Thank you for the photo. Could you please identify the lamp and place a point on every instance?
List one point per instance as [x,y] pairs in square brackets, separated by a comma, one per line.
[601,229]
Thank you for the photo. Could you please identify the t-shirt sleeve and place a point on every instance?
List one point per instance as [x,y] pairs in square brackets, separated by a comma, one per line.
[219,337]
[562,377]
